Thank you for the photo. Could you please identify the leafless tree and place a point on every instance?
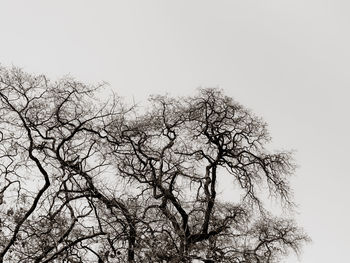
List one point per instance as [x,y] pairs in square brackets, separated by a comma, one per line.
[88,181]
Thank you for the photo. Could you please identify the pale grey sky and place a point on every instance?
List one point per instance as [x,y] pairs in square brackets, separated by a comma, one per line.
[286,60]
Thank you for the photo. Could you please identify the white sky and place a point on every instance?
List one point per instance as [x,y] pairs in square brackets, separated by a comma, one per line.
[286,60]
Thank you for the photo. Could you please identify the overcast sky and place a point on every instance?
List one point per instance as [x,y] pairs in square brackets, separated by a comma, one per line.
[288,61]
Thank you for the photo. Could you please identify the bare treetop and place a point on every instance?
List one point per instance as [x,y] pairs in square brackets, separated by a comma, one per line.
[84,181]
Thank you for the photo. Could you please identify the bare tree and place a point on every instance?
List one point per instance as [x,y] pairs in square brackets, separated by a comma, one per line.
[85,181]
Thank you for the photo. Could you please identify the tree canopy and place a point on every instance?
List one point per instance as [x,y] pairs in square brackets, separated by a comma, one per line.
[86,180]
